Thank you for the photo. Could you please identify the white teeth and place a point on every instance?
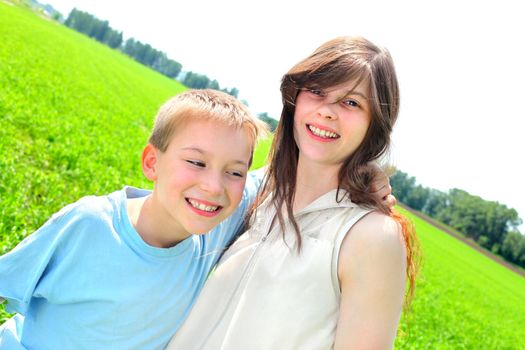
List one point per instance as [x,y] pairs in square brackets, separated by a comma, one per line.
[322,133]
[201,206]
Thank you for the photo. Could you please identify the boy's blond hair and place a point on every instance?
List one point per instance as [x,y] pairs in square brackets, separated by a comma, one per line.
[204,104]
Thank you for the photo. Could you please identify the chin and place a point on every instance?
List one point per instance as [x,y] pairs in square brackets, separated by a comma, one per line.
[202,230]
[205,228]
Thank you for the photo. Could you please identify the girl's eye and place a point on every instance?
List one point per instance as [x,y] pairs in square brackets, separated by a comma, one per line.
[316,92]
[197,163]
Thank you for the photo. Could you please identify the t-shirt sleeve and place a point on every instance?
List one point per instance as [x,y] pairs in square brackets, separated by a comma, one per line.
[22,268]
[255,177]
[221,236]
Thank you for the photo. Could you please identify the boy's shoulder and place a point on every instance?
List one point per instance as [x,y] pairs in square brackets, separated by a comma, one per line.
[89,217]
[254,181]
[87,206]
[92,208]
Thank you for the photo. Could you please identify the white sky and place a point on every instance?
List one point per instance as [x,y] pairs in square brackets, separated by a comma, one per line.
[460,65]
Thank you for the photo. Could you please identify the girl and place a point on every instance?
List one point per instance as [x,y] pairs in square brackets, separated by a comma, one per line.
[315,270]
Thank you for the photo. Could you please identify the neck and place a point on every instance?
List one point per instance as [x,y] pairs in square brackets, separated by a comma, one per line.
[150,224]
[313,180]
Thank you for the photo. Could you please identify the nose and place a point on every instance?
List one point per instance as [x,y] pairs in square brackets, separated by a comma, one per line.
[212,184]
[327,111]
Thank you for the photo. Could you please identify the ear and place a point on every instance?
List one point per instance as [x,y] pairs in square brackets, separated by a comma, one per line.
[149,162]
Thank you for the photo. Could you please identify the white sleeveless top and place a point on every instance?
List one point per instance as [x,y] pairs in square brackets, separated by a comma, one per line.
[265,295]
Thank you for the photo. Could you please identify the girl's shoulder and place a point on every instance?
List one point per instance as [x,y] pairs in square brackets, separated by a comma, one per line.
[376,234]
[376,226]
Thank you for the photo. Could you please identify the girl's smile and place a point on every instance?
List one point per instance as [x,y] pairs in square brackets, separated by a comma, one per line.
[329,125]
[321,133]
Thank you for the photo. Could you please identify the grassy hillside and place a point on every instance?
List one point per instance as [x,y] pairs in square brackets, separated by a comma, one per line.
[74,116]
[464,300]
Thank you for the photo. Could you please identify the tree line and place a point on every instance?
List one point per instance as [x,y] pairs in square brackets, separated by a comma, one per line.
[272,123]
[201,81]
[101,31]
[492,225]
[94,28]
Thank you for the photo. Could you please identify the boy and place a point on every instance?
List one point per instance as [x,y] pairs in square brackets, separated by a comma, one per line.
[121,271]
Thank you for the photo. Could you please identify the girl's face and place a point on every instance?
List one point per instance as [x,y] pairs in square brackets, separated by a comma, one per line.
[329,125]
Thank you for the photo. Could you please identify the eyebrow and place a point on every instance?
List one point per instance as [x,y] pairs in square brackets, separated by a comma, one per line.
[352,92]
[203,152]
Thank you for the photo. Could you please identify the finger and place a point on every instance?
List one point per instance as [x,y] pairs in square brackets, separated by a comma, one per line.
[390,201]
[384,191]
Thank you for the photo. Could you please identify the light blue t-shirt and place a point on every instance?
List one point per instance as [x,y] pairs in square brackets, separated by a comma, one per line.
[86,279]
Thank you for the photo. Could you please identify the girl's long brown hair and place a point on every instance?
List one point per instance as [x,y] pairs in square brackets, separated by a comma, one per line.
[344,59]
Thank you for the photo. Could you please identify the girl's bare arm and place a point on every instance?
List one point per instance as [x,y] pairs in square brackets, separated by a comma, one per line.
[372,277]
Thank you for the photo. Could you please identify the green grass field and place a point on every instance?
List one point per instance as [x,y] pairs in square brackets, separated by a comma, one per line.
[74,116]
[463,299]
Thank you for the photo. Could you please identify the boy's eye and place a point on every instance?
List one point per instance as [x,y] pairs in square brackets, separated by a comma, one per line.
[196,163]
[351,103]
[236,173]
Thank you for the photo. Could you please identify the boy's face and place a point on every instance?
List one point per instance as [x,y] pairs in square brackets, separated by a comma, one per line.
[199,179]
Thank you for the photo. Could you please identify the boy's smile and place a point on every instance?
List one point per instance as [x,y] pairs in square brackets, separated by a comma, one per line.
[204,208]
[199,180]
